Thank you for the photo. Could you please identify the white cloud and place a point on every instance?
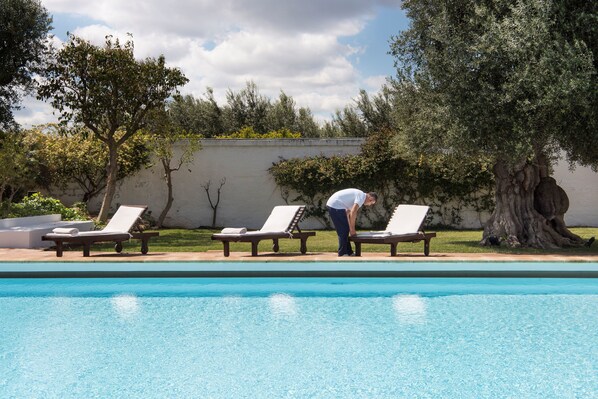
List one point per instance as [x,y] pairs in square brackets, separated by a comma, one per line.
[288,45]
[34,112]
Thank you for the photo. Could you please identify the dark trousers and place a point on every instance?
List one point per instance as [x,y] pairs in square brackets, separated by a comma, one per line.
[341,225]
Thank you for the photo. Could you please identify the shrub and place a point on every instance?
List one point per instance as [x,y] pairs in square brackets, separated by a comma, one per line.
[447,184]
[36,205]
[248,132]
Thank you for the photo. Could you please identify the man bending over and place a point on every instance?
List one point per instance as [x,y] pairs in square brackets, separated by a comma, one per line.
[342,207]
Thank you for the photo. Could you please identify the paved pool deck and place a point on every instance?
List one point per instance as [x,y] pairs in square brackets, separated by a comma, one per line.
[40,255]
[44,263]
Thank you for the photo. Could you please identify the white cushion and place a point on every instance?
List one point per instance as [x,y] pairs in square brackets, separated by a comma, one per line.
[407,219]
[280,218]
[124,219]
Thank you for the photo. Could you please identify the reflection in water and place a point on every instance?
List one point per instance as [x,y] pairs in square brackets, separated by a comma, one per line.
[125,305]
[283,305]
[410,309]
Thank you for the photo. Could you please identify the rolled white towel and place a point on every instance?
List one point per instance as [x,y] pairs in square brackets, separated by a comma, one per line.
[66,230]
[234,230]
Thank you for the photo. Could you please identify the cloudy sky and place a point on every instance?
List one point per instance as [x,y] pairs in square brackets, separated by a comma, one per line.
[321,52]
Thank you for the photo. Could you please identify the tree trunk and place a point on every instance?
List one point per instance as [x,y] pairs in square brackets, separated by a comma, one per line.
[515,221]
[214,216]
[112,169]
[552,202]
[170,200]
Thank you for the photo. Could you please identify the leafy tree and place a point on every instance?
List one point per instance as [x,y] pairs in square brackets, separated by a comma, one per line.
[246,108]
[201,116]
[282,114]
[377,112]
[75,155]
[162,134]
[19,169]
[516,81]
[349,122]
[24,27]
[331,129]
[366,116]
[306,124]
[108,91]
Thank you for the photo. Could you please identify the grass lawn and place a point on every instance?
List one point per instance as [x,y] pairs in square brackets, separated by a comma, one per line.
[448,241]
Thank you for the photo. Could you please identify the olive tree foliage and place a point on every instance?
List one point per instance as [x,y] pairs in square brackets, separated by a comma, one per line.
[366,116]
[244,109]
[200,116]
[515,81]
[173,147]
[73,154]
[24,27]
[108,91]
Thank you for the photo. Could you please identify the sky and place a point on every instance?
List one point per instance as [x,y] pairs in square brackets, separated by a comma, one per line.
[320,52]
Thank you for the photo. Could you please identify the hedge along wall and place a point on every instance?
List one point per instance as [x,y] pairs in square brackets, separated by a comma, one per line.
[451,186]
[250,190]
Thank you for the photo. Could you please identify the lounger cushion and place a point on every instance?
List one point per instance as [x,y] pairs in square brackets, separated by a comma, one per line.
[406,219]
[92,233]
[121,223]
[280,219]
[124,219]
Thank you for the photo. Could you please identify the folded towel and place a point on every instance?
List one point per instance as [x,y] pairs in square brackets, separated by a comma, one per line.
[65,230]
[234,230]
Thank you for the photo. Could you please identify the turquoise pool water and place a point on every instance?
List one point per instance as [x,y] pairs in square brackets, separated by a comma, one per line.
[299,338]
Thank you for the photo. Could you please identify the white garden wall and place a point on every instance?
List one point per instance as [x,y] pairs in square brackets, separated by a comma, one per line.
[581,186]
[249,193]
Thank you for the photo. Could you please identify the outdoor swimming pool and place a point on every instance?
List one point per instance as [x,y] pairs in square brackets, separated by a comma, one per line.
[299,337]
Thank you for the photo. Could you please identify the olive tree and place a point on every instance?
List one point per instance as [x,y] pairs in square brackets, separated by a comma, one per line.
[108,91]
[516,81]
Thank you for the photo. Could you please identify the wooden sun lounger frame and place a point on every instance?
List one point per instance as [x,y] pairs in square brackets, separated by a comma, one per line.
[393,241]
[255,239]
[117,238]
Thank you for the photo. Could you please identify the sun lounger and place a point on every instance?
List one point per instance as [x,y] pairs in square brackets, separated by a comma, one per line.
[404,226]
[282,223]
[119,229]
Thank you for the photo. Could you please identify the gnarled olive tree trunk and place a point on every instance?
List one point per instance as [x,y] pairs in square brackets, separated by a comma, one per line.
[529,209]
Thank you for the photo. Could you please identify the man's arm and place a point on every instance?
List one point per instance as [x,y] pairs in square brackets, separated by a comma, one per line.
[352,216]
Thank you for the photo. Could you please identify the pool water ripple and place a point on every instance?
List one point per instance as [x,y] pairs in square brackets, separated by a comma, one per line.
[401,344]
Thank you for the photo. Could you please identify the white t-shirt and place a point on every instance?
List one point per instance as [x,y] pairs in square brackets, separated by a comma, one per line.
[345,199]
